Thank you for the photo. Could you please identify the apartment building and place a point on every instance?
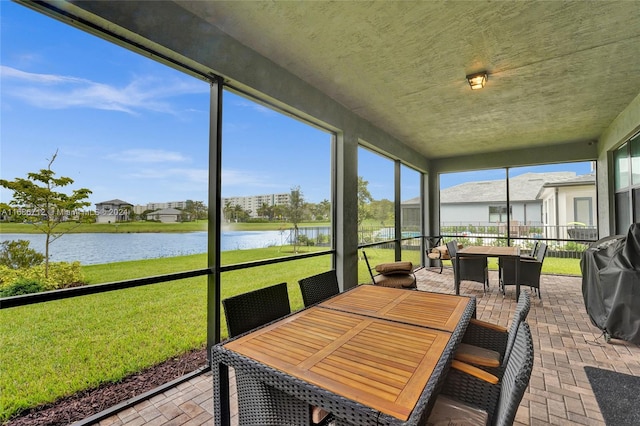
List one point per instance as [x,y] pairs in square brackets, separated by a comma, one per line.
[252,203]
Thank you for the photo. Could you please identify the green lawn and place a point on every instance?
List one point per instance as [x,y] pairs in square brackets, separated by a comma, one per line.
[54,349]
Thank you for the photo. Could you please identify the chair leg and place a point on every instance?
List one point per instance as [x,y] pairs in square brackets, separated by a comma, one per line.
[441,265]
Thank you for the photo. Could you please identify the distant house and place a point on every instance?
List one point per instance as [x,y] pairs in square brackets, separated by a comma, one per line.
[485,202]
[113,211]
[165,215]
[532,199]
[570,203]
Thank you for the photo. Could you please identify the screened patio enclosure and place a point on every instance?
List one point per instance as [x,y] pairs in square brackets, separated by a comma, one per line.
[563,86]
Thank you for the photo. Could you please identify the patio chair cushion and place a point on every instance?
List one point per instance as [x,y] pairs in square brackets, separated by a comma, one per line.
[477,355]
[394,268]
[447,411]
[439,252]
[318,414]
[396,280]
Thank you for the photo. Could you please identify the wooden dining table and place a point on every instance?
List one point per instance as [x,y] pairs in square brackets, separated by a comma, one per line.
[366,355]
[489,251]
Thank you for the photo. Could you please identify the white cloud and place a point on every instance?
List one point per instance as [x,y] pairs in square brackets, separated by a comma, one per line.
[148,156]
[244,179]
[199,176]
[50,91]
[256,107]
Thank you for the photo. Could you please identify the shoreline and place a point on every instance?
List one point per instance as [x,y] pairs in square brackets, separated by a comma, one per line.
[151,227]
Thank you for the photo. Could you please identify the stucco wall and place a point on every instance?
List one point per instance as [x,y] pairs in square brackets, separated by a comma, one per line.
[623,127]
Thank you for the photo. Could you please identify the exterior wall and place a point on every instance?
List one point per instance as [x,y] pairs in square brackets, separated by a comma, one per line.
[112,213]
[565,212]
[165,218]
[623,127]
[568,197]
[166,205]
[464,214]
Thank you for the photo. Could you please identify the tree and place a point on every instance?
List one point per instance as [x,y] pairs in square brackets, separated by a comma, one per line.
[43,205]
[296,213]
[382,210]
[227,211]
[193,210]
[17,254]
[364,201]
[265,211]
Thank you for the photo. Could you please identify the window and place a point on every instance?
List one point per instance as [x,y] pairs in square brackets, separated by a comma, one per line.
[627,184]
[582,210]
[621,159]
[276,183]
[498,214]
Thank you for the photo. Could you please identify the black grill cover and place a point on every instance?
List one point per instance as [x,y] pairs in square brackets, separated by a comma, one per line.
[611,284]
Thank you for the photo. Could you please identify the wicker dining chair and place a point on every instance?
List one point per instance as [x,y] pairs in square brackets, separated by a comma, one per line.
[529,271]
[467,399]
[259,403]
[472,268]
[489,345]
[319,287]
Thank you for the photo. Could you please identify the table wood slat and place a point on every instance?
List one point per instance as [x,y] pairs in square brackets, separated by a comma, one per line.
[434,310]
[490,251]
[382,364]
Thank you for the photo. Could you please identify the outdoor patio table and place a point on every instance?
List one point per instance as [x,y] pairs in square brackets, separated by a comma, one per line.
[363,369]
[434,310]
[489,251]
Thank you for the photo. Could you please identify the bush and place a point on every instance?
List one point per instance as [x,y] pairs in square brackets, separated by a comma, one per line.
[61,275]
[20,287]
[17,254]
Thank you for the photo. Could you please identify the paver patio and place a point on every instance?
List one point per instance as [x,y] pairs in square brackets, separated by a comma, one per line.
[559,392]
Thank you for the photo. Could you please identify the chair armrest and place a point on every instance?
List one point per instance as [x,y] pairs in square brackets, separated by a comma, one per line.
[474,371]
[489,325]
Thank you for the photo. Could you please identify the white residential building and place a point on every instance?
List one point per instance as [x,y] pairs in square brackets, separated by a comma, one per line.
[252,203]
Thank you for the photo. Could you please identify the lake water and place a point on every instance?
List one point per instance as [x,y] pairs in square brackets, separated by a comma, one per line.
[106,247]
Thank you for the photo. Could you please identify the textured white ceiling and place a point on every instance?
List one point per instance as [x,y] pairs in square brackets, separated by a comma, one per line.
[558,71]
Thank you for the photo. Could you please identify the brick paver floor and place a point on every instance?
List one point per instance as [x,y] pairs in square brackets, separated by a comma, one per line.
[559,392]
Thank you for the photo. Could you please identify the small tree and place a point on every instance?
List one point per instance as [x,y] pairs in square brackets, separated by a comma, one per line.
[46,207]
[296,213]
[17,254]
[364,204]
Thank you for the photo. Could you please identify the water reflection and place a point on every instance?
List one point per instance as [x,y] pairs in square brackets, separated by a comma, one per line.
[114,247]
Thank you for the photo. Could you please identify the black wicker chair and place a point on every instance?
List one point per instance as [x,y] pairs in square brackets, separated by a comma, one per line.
[472,268]
[259,403]
[527,256]
[319,287]
[489,345]
[464,396]
[529,269]
[250,310]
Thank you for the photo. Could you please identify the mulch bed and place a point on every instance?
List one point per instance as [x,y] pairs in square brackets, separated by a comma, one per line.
[87,403]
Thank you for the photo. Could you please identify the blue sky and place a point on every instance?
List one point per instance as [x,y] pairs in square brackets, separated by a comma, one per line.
[128,127]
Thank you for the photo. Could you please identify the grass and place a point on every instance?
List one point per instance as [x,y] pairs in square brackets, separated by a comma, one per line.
[54,349]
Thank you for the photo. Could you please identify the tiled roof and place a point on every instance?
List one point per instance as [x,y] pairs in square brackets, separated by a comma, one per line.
[524,187]
[115,202]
